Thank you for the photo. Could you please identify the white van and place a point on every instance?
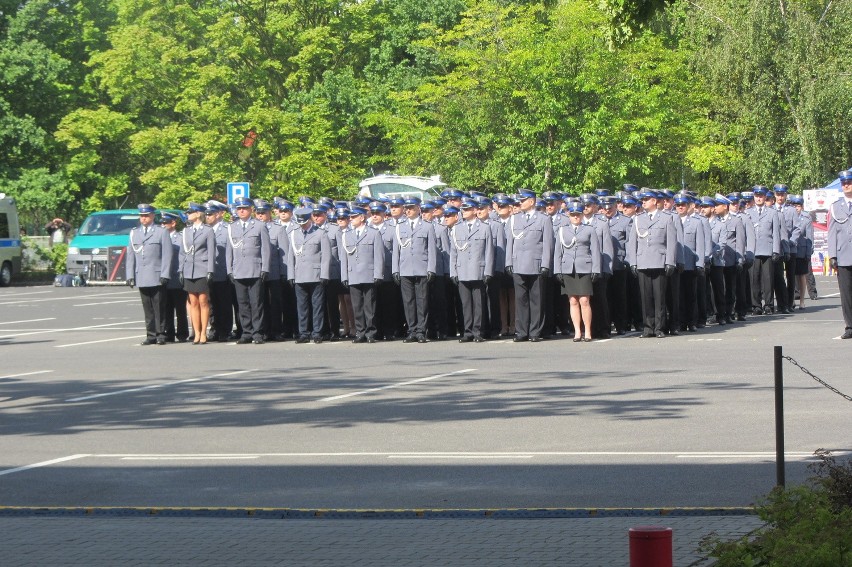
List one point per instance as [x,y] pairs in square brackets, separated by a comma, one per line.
[10,240]
[388,185]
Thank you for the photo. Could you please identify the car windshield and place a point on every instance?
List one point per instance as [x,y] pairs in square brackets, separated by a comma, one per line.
[400,190]
[109,224]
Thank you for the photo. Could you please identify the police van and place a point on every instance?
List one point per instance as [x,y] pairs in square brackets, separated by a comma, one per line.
[10,240]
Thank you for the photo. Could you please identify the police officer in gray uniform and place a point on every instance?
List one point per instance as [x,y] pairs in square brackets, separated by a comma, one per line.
[362,266]
[221,289]
[415,257]
[149,258]
[177,328]
[693,261]
[491,312]
[471,268]
[197,254]
[619,228]
[652,255]
[729,258]
[840,247]
[272,326]
[308,267]
[248,258]
[529,260]
[767,251]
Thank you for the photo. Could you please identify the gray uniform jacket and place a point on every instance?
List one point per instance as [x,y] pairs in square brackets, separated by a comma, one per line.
[498,236]
[707,254]
[248,252]
[309,257]
[471,251]
[751,236]
[788,216]
[679,228]
[840,233]
[283,239]
[362,259]
[442,239]
[174,268]
[276,268]
[415,252]
[220,266]
[619,227]
[652,244]
[694,246]
[578,252]
[529,243]
[149,256]
[600,223]
[767,228]
[197,252]
[388,237]
[332,230]
[728,240]
[802,236]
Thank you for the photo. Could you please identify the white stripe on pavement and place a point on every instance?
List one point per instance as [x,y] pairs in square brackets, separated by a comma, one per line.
[106,302]
[42,464]
[75,298]
[101,341]
[28,321]
[164,384]
[71,329]
[25,374]
[427,378]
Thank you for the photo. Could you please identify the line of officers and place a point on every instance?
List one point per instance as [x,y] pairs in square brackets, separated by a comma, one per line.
[470,266]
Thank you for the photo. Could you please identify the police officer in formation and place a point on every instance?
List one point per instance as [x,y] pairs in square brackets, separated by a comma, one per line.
[148,265]
[422,271]
[177,328]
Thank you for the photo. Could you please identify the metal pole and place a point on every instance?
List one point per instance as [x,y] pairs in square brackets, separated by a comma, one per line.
[779,418]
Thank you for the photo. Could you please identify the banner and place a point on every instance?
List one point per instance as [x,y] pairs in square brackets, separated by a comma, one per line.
[817,202]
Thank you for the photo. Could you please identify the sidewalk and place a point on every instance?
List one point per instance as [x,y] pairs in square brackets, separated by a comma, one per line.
[158,539]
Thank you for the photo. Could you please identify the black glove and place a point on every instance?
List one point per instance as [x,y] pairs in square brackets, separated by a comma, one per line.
[635,271]
[786,256]
[323,282]
[509,271]
[232,278]
[749,263]
[292,283]
[680,268]
[595,277]
[775,257]
[396,278]
[209,277]
[345,284]
[164,281]
[430,276]
[131,282]
[377,281]
[739,268]
[833,263]
[487,280]
[669,270]
[181,279]
[545,272]
[455,280]
[700,270]
[264,276]
[708,263]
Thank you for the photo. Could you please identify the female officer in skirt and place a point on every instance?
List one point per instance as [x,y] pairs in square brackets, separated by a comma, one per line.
[577,264]
[197,253]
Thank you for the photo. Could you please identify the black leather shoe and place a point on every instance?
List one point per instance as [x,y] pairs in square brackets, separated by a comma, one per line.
[757,311]
[318,341]
[519,340]
[674,332]
[767,310]
[422,340]
[244,341]
[846,335]
[465,339]
[259,341]
[536,339]
[479,339]
[302,340]
[620,332]
[147,342]
[729,320]
[691,329]
[577,339]
[359,340]
[646,336]
[161,341]
[741,318]
[371,340]
[409,339]
[660,335]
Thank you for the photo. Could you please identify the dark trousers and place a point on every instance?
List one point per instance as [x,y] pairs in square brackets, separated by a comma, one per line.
[844,280]
[717,282]
[652,288]
[634,301]
[472,295]
[289,323]
[249,292]
[529,305]
[673,302]
[743,292]
[455,320]
[415,303]
[176,311]
[492,322]
[688,307]
[779,282]
[364,309]
[552,291]
[310,305]
[332,308]
[223,314]
[762,276]
[601,323]
[790,280]
[272,322]
[438,315]
[616,294]
[154,307]
[235,305]
[701,288]
[388,305]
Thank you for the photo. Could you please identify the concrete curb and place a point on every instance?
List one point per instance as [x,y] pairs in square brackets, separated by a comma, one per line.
[293,513]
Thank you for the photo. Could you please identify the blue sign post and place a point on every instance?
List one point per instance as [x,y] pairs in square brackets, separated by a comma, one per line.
[236,190]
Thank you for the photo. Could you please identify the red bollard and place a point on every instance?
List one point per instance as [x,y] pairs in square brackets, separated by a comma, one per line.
[650,546]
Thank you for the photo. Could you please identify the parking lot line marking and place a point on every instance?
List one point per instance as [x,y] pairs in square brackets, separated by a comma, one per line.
[389,386]
[71,329]
[163,385]
[43,464]
[28,321]
[5,295]
[25,374]
[190,458]
[831,295]
[106,302]
[75,298]
[102,341]
[460,456]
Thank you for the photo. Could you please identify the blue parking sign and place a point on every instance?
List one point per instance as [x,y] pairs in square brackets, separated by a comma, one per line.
[236,190]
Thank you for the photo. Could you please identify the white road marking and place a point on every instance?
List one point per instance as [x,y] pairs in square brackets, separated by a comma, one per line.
[603,340]
[25,374]
[102,341]
[189,458]
[797,320]
[389,386]
[42,464]
[5,295]
[460,456]
[28,321]
[75,298]
[72,329]
[831,295]
[164,384]
[106,302]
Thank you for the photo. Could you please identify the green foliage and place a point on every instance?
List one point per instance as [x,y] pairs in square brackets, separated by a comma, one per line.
[55,255]
[807,526]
